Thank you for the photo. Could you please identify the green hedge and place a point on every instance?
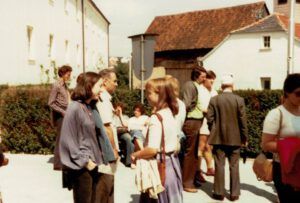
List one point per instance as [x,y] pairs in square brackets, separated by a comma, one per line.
[26,126]
[25,122]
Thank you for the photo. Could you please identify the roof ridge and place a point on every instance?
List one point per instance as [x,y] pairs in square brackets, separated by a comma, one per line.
[253,24]
[213,9]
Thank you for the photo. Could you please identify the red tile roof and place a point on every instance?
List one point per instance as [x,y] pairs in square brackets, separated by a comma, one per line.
[203,29]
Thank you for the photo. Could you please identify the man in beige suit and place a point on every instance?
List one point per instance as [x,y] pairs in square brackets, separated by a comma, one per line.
[226,118]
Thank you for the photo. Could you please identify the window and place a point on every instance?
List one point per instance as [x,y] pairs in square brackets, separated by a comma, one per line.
[51,47]
[267,42]
[282,1]
[67,58]
[265,83]
[30,41]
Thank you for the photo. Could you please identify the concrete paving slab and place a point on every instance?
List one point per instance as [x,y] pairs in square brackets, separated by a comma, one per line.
[30,179]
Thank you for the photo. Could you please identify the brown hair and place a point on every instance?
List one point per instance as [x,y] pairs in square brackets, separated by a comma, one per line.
[210,74]
[140,107]
[166,95]
[63,70]
[84,86]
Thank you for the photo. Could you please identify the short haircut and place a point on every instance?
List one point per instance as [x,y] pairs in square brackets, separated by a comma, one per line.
[140,107]
[106,73]
[63,70]
[210,74]
[196,72]
[291,83]
[84,86]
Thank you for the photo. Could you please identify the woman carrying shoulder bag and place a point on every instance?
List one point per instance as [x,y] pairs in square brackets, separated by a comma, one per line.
[161,97]
[285,117]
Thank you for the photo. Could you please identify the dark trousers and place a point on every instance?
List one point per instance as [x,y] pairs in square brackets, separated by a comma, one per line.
[285,192]
[92,187]
[220,152]
[191,129]
[126,142]
[57,165]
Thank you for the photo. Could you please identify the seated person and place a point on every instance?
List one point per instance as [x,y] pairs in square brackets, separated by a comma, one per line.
[120,122]
[137,125]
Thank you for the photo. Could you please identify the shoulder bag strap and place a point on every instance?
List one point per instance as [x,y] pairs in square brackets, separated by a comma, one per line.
[163,149]
[280,123]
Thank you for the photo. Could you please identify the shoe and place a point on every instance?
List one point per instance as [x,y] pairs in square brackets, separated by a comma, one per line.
[233,198]
[210,172]
[218,197]
[199,177]
[192,190]
[4,162]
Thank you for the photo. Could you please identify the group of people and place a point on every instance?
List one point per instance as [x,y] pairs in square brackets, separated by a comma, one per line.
[200,124]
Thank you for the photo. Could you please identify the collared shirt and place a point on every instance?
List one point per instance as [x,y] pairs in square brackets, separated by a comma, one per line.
[106,111]
[59,97]
[105,107]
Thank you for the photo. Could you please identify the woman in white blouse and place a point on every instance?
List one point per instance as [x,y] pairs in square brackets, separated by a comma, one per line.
[285,117]
[161,97]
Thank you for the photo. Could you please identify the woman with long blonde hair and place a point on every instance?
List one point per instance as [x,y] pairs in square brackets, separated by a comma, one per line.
[161,97]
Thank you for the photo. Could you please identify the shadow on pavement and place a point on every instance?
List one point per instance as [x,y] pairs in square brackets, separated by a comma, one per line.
[207,188]
[135,198]
[259,192]
[51,160]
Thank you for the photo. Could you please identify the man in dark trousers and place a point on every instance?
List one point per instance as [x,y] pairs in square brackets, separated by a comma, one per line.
[226,118]
[191,127]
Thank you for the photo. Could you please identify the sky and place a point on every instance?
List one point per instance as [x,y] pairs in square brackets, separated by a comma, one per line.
[130,17]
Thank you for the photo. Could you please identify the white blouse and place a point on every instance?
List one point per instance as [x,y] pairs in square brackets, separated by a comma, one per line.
[170,131]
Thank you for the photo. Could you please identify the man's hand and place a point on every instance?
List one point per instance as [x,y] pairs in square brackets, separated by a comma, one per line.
[91,165]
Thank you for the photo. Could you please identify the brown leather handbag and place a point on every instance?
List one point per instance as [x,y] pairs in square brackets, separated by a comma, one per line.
[263,168]
[161,162]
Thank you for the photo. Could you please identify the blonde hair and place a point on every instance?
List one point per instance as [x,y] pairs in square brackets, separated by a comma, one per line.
[166,95]
[174,83]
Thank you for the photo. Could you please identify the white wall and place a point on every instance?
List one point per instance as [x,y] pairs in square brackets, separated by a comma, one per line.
[47,17]
[243,56]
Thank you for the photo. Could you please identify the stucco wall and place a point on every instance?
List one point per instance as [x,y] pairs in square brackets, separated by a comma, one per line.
[48,17]
[243,56]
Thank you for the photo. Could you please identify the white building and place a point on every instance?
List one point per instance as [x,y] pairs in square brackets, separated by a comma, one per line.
[38,35]
[256,55]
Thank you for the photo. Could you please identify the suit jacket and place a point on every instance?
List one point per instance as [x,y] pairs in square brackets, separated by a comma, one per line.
[226,119]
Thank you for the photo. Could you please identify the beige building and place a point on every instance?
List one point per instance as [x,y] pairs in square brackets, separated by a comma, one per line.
[37,36]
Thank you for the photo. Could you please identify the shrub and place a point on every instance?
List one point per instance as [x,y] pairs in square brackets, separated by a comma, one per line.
[26,126]
[25,120]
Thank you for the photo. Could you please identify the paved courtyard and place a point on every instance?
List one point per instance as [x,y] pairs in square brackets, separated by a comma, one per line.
[30,179]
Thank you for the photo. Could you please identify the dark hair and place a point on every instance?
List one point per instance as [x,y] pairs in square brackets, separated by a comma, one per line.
[84,86]
[63,70]
[196,72]
[291,83]
[140,107]
[106,73]
[210,74]
[120,104]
